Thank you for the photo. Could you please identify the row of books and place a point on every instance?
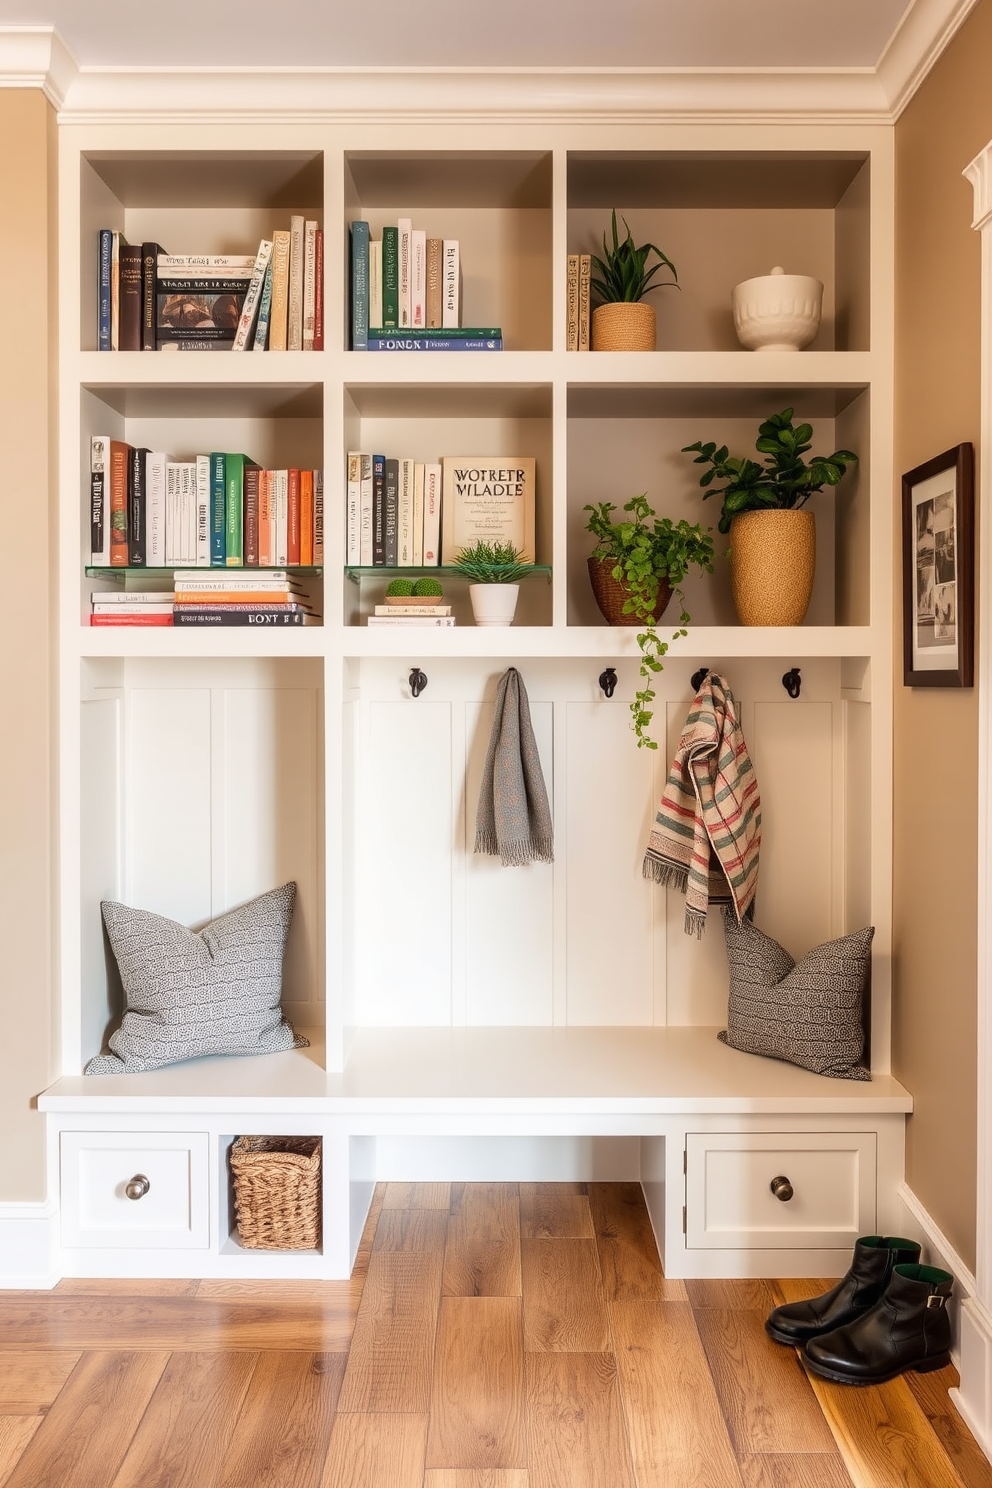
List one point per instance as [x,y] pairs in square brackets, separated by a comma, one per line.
[219,510]
[577,310]
[276,598]
[393,512]
[272,300]
[406,293]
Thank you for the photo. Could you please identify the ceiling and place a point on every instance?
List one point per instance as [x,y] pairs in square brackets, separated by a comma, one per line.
[682,34]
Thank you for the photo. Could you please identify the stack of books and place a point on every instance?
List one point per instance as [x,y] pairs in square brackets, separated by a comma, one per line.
[406,293]
[149,607]
[219,510]
[413,613]
[271,598]
[272,300]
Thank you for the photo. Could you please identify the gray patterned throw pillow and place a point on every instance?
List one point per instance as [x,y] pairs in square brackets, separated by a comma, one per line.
[214,991]
[809,1014]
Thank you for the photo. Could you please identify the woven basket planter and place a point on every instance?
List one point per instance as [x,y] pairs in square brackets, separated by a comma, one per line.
[611,595]
[772,562]
[623,326]
[277,1192]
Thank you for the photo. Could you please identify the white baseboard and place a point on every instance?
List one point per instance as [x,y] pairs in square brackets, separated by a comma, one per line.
[970,1321]
[28,1242]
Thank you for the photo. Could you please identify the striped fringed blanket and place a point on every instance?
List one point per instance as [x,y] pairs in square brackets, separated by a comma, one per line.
[707,831]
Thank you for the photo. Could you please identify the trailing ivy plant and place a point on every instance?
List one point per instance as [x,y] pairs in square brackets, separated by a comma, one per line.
[783,482]
[643,551]
[622,273]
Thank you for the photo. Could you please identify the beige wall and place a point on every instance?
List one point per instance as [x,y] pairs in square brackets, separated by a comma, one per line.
[936,730]
[27,979]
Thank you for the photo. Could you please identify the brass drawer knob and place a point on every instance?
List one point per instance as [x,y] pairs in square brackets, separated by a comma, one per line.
[139,1186]
[781,1188]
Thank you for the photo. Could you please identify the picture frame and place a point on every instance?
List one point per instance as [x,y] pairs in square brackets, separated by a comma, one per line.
[938,570]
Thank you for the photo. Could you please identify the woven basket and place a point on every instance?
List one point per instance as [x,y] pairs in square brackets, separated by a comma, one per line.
[772,564]
[623,326]
[277,1192]
[611,595]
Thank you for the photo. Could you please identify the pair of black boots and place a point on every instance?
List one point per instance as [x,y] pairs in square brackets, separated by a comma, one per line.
[887,1315]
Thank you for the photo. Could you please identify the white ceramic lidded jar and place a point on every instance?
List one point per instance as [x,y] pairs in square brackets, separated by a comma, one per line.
[778,311]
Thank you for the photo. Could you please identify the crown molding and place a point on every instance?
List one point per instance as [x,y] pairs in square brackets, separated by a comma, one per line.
[37,57]
[921,36]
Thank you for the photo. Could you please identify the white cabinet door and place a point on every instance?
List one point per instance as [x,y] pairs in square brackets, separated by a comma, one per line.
[135,1189]
[778,1190]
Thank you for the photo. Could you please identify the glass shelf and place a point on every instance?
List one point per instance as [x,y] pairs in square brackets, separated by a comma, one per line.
[357,572]
[119,571]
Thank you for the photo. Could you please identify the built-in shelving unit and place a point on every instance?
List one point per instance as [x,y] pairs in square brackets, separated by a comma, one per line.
[198,770]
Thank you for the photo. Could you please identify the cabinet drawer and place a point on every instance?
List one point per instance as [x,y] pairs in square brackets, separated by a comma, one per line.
[167,1172]
[730,1203]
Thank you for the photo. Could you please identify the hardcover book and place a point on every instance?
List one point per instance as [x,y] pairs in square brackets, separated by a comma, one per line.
[266,520]
[572,303]
[439,342]
[309,283]
[390,512]
[365,513]
[359,285]
[378,506]
[451,308]
[252,480]
[318,290]
[585,275]
[149,272]
[405,229]
[418,279]
[318,518]
[375,282]
[218,511]
[136,508]
[103,289]
[252,300]
[234,512]
[129,331]
[203,510]
[390,277]
[488,498]
[156,463]
[294,518]
[116,240]
[99,500]
[306,518]
[297,259]
[418,514]
[279,308]
[198,308]
[435,254]
[353,498]
[404,515]
[432,515]
[261,341]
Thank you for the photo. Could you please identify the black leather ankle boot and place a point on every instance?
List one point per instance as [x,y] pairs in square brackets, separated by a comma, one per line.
[871,1267]
[908,1328]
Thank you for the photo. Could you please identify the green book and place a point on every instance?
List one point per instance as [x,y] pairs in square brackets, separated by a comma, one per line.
[234,475]
[390,277]
[454,333]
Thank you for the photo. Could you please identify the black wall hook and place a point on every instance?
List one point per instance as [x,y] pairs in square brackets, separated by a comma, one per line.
[608,681]
[792,682]
[698,678]
[418,681]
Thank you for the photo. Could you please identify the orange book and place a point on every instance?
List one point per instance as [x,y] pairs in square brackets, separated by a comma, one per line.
[119,461]
[293,519]
[266,526]
[280,596]
[306,517]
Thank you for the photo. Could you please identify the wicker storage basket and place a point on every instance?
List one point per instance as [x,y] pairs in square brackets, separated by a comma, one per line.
[277,1192]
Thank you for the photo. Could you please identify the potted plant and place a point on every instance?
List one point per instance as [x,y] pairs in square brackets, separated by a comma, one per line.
[772,541]
[494,571]
[635,568]
[621,279]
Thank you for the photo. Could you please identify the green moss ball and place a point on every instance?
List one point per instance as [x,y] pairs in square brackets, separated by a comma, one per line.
[400,587]
[428,586]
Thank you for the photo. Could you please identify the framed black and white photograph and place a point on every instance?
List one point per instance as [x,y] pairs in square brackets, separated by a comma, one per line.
[938,544]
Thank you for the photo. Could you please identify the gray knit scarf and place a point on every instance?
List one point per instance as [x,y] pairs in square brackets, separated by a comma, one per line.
[513,821]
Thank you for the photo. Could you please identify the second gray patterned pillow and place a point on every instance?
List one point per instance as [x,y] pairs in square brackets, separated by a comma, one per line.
[189,993]
[810,1013]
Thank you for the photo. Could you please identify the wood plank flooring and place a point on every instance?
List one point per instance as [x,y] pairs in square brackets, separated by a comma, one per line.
[493,1336]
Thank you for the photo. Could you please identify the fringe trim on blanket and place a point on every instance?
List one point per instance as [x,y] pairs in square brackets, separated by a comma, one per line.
[668,874]
[516,854]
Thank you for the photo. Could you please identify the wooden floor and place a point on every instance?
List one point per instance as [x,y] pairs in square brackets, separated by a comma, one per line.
[494,1336]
